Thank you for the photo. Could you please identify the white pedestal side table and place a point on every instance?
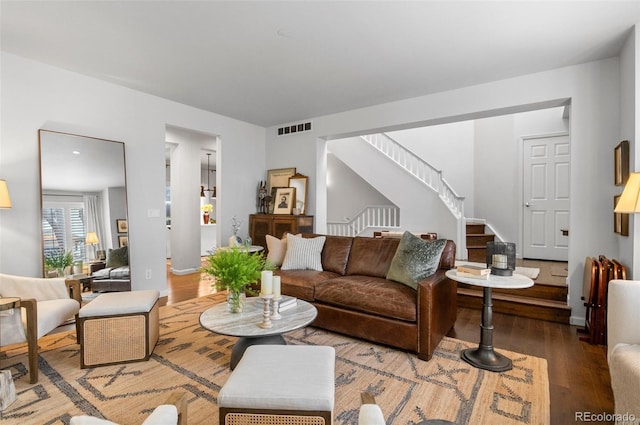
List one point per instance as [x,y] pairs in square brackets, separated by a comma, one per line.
[485,357]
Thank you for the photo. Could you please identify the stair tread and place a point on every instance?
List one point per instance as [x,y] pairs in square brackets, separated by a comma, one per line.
[516,298]
[480,234]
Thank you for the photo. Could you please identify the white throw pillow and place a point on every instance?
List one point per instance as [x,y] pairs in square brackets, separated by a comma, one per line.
[277,249]
[303,253]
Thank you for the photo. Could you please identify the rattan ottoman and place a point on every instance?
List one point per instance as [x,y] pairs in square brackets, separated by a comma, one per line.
[280,384]
[118,327]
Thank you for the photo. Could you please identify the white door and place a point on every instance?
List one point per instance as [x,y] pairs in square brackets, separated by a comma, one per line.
[546,198]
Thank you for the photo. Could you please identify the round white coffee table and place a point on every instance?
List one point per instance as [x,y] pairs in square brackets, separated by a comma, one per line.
[246,327]
[485,357]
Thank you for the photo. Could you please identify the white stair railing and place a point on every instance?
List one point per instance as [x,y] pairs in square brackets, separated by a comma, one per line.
[426,173]
[377,216]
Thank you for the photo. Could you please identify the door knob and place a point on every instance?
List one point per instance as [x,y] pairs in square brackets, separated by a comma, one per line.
[527,204]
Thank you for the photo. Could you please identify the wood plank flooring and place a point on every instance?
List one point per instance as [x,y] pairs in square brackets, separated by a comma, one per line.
[578,372]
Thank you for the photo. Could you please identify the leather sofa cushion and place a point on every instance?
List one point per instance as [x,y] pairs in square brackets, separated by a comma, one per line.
[300,283]
[336,254]
[371,256]
[370,295]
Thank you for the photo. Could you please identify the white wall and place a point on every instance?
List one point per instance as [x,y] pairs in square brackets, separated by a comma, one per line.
[40,96]
[449,148]
[593,90]
[347,192]
[629,128]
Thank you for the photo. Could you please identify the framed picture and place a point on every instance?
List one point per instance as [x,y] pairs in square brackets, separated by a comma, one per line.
[121,224]
[123,241]
[279,177]
[620,220]
[284,201]
[621,161]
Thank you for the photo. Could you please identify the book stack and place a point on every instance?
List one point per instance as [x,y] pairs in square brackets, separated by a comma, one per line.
[477,272]
[287,302]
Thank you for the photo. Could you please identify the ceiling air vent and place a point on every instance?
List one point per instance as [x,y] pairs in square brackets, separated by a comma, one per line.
[294,128]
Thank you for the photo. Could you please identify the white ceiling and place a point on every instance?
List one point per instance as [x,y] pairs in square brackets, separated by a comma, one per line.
[272,63]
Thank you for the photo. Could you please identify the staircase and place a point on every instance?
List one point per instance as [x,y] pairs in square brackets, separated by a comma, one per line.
[541,301]
[477,239]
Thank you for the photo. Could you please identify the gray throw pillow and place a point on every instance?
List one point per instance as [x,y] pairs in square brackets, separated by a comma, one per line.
[415,259]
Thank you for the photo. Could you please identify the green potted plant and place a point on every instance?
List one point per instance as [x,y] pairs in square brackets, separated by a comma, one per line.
[58,260]
[235,269]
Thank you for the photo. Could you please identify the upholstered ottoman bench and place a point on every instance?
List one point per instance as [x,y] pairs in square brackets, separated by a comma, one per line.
[280,384]
[118,327]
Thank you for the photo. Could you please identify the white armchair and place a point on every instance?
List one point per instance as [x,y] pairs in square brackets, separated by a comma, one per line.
[623,340]
[44,305]
[172,412]
[370,413]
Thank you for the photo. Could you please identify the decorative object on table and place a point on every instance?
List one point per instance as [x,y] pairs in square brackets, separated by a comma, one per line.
[235,270]
[235,240]
[501,258]
[263,207]
[207,209]
[122,226]
[284,201]
[621,163]
[277,297]
[58,260]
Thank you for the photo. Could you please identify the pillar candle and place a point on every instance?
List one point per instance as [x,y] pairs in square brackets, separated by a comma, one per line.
[266,282]
[276,286]
[499,261]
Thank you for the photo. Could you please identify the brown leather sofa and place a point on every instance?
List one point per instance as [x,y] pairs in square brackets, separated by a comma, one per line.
[353,296]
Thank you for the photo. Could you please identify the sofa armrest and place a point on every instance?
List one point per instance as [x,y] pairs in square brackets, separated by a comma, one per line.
[437,306]
[623,313]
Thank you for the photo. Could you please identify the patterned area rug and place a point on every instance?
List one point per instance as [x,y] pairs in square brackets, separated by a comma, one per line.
[188,357]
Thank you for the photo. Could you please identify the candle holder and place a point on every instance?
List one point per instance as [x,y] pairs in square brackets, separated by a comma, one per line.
[501,257]
[275,315]
[266,311]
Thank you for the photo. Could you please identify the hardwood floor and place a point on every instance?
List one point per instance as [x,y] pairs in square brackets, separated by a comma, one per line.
[578,372]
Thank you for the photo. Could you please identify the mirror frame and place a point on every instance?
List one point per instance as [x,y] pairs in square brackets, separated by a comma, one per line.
[300,183]
[112,222]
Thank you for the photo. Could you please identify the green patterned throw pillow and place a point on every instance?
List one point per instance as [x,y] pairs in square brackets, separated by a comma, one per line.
[118,257]
[415,259]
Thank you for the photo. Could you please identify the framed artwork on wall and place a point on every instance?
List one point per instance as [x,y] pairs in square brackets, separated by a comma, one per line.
[121,224]
[621,163]
[620,220]
[123,241]
[279,177]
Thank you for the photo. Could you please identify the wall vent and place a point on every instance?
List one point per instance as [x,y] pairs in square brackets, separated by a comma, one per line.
[294,128]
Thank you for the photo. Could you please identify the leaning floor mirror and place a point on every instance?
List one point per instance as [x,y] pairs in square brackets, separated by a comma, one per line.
[84,202]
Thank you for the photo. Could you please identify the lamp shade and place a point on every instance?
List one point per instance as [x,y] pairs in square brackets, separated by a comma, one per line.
[92,238]
[630,199]
[5,201]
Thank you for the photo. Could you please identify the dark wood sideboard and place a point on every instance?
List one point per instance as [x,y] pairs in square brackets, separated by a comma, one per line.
[261,225]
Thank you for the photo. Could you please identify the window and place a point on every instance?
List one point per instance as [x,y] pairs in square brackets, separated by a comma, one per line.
[63,228]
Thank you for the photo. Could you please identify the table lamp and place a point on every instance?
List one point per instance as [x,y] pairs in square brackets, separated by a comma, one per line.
[629,202]
[5,200]
[92,239]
